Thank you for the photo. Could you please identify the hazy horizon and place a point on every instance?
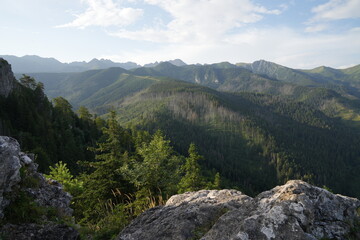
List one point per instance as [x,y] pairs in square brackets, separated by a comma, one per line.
[297,34]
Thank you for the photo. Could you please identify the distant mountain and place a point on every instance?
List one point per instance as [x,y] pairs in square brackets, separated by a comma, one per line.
[176,62]
[276,71]
[315,87]
[36,64]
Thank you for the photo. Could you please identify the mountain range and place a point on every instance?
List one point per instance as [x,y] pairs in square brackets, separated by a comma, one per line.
[33,64]
[258,124]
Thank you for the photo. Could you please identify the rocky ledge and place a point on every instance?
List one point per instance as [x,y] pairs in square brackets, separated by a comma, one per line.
[26,192]
[296,210]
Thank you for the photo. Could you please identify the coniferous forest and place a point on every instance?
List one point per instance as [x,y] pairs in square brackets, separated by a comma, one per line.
[124,141]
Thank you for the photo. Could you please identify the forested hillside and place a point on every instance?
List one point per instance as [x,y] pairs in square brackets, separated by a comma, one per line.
[220,125]
[256,130]
[112,173]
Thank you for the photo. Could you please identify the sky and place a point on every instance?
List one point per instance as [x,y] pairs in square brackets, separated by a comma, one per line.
[294,33]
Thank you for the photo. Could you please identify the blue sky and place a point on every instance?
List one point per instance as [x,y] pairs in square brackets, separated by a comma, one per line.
[294,33]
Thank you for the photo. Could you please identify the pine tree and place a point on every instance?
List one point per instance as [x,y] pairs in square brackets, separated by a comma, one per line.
[84,113]
[106,182]
[217,181]
[157,172]
[192,180]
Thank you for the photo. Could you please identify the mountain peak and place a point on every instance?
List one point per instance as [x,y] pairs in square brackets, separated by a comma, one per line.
[176,62]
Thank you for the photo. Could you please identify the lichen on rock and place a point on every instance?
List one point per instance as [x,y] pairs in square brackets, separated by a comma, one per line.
[296,210]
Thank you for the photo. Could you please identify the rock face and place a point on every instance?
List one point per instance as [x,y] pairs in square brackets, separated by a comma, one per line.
[10,165]
[296,210]
[7,79]
[18,173]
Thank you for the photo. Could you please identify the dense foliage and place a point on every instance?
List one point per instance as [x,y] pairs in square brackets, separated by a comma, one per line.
[113,173]
[52,131]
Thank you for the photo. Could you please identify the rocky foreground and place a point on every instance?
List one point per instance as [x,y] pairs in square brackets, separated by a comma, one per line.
[30,205]
[296,210]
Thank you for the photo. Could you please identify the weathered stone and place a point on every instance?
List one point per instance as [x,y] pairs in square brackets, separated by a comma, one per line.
[9,168]
[44,193]
[296,210]
[7,79]
[39,232]
[184,216]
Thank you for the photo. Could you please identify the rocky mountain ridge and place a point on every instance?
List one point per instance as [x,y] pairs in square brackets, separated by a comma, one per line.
[7,79]
[296,210]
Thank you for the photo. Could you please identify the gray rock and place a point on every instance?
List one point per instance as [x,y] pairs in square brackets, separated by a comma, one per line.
[9,168]
[184,216]
[39,232]
[7,79]
[46,193]
[296,210]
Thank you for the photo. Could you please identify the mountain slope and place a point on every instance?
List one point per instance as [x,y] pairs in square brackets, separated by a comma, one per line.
[255,141]
[279,72]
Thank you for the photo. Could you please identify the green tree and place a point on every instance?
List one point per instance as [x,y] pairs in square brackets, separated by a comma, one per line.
[192,179]
[217,181]
[159,165]
[62,174]
[28,81]
[105,182]
[62,105]
[84,113]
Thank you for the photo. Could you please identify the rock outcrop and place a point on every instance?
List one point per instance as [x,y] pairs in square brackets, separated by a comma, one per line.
[296,210]
[7,79]
[18,175]
[10,165]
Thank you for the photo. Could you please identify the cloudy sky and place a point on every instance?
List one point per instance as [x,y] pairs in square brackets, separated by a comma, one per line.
[294,33]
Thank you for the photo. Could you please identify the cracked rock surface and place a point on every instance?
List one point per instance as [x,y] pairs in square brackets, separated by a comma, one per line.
[296,210]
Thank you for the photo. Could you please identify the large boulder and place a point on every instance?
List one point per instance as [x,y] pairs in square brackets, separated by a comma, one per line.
[296,210]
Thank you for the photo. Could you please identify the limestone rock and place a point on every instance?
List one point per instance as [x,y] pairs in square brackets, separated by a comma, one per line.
[184,215]
[7,79]
[296,210]
[39,232]
[9,168]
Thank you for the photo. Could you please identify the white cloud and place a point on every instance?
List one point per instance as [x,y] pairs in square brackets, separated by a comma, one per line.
[105,13]
[316,28]
[331,11]
[281,45]
[337,9]
[199,21]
